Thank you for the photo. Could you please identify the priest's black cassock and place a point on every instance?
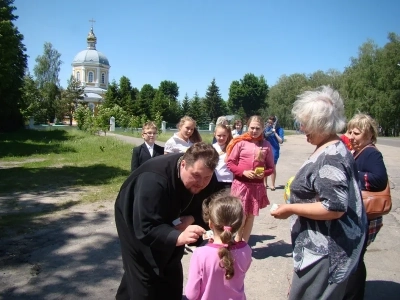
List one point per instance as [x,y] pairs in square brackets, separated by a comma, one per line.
[151,198]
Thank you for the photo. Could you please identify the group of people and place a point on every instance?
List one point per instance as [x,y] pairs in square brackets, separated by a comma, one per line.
[170,201]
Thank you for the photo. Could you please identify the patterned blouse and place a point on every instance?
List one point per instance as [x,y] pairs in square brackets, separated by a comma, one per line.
[331,178]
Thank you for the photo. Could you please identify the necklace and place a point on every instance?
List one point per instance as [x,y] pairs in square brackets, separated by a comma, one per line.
[182,210]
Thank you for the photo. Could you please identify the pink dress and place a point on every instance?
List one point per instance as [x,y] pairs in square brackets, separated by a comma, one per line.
[245,156]
[207,279]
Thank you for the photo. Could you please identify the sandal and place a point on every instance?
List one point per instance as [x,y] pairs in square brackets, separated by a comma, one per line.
[272,188]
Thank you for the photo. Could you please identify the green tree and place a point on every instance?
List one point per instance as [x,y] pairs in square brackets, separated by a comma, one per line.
[50,96]
[146,97]
[196,110]
[250,93]
[46,72]
[48,66]
[70,98]
[126,102]
[282,96]
[81,115]
[165,101]
[160,105]
[29,103]
[12,68]
[169,89]
[112,96]
[185,105]
[213,102]
[361,80]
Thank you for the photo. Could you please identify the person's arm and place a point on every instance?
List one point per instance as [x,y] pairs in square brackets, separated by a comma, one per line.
[151,212]
[168,146]
[279,134]
[331,188]
[193,285]
[371,163]
[233,161]
[135,158]
[314,211]
[268,160]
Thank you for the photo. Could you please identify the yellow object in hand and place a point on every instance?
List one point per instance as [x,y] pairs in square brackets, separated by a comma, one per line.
[259,170]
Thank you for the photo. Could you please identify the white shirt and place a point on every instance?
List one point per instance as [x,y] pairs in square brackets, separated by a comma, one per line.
[176,145]
[151,148]
[222,171]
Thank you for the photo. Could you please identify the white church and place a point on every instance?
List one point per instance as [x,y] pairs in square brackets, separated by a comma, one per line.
[91,68]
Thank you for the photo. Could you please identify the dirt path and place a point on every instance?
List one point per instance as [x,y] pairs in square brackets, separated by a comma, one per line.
[75,253]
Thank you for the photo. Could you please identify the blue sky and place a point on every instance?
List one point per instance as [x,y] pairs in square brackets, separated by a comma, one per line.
[193,41]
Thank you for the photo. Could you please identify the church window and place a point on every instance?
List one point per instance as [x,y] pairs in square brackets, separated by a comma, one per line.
[78,76]
[90,76]
[103,78]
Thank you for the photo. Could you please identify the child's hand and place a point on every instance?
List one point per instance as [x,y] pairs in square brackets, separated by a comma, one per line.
[259,175]
[249,174]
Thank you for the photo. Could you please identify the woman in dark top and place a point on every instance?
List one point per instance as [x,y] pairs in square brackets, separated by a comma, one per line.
[362,133]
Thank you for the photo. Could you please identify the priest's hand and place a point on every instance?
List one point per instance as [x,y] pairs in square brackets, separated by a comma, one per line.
[190,235]
[185,222]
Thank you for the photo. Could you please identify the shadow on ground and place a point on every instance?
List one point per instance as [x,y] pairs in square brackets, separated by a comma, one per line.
[42,179]
[377,289]
[29,142]
[275,249]
[51,264]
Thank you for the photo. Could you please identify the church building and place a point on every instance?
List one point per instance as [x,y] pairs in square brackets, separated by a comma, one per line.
[91,68]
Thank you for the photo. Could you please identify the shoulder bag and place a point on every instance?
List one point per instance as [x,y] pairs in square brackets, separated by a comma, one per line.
[376,203]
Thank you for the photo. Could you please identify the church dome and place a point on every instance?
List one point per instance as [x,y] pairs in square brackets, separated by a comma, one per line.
[91,55]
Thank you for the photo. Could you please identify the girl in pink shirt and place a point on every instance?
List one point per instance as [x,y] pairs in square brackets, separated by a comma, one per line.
[217,270]
[250,159]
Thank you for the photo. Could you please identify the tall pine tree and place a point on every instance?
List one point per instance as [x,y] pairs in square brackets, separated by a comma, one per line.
[213,102]
[13,64]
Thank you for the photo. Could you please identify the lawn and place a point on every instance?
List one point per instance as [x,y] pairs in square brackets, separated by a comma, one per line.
[55,161]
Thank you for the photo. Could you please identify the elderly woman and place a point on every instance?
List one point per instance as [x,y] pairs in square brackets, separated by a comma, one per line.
[362,133]
[328,217]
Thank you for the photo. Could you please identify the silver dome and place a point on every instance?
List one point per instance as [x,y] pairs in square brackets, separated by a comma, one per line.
[90,56]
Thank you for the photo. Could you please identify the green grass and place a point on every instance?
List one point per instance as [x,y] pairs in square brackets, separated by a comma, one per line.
[57,160]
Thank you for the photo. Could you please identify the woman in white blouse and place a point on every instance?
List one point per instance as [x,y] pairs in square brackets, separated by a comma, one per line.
[186,136]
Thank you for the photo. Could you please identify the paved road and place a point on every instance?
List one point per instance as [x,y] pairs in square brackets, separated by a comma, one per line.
[389,141]
[78,255]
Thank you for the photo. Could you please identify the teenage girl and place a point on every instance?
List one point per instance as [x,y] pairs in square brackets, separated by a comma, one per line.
[223,136]
[217,270]
[250,159]
[186,136]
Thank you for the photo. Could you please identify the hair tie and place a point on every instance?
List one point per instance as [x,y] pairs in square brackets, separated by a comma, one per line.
[227,228]
[225,245]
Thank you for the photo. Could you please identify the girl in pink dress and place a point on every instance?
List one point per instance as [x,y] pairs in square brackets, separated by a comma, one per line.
[218,269]
[250,159]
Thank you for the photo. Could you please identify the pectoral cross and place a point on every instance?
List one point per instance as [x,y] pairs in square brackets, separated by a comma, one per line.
[93,21]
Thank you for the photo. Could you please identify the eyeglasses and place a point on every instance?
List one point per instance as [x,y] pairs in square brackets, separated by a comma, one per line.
[150,133]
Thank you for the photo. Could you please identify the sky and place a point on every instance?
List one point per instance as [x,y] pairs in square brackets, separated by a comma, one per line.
[193,41]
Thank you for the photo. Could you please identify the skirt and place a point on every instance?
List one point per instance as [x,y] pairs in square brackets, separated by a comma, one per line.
[253,196]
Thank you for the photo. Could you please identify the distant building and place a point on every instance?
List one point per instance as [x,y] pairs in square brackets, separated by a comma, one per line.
[91,68]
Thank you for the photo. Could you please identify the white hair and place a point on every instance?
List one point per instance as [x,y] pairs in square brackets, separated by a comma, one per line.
[320,111]
[221,120]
